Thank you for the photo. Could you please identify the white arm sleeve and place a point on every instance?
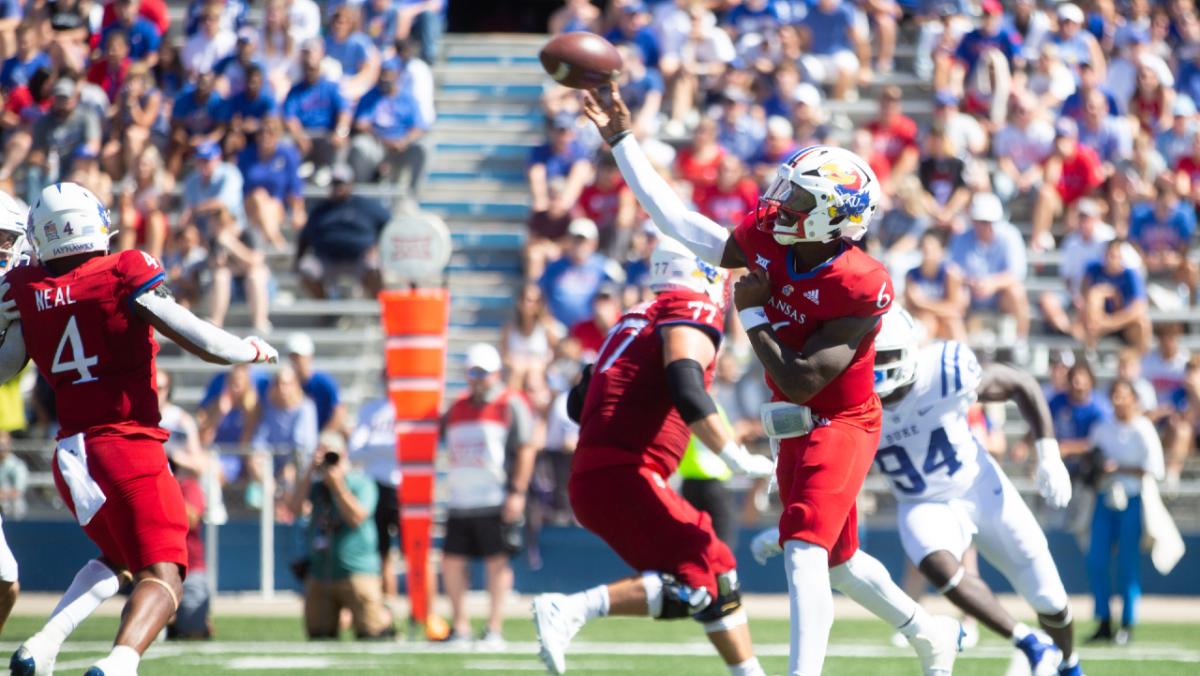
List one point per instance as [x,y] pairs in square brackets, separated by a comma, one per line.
[697,232]
[12,353]
[215,341]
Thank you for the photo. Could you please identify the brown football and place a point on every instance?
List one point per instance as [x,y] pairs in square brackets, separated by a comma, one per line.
[580,60]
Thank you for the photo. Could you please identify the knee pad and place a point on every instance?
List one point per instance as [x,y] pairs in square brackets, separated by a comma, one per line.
[725,610]
[670,599]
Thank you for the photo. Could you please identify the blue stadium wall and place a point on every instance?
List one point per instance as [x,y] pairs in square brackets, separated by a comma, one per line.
[50,552]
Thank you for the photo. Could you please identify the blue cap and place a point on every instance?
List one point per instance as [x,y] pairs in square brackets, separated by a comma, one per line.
[85,153]
[945,98]
[208,151]
[393,65]
[634,8]
[563,120]
[1065,127]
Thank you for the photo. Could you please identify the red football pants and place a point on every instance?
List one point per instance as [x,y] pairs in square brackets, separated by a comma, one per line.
[649,525]
[143,520]
[819,477]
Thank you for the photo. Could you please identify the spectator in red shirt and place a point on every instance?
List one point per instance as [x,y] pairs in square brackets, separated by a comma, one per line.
[192,618]
[894,136]
[109,72]
[1072,171]
[1187,170]
[697,164]
[611,204]
[731,197]
[590,333]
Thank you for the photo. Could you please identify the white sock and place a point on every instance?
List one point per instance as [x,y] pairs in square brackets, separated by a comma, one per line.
[1020,631]
[93,584]
[594,601]
[811,599]
[750,667]
[122,660]
[864,579]
[653,585]
[1069,661]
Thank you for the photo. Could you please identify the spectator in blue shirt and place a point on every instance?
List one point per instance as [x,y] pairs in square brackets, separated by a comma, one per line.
[354,51]
[195,120]
[319,386]
[991,256]
[1162,230]
[340,239]
[270,169]
[315,113]
[570,283]
[380,22]
[143,35]
[1115,300]
[29,57]
[287,424]
[213,184]
[991,34]
[753,16]
[558,171]
[245,111]
[641,89]
[831,43]
[1090,81]
[1077,410]
[233,69]
[633,29]
[388,125]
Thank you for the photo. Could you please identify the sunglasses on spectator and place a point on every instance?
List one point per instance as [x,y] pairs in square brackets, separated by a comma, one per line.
[476,373]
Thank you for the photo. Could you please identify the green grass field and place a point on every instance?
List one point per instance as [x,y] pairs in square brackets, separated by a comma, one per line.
[274,645]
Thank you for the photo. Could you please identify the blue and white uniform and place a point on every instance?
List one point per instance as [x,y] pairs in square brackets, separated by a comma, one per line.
[950,491]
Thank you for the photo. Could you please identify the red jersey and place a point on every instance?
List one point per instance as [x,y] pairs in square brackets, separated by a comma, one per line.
[1081,173]
[727,206]
[699,173]
[98,356]
[628,416]
[851,284]
[893,138]
[601,204]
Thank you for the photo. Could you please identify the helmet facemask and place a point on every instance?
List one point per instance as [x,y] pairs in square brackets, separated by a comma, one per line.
[12,243]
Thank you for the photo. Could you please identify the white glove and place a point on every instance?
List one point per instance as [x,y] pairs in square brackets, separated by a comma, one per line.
[743,461]
[765,545]
[263,352]
[1054,483]
[8,307]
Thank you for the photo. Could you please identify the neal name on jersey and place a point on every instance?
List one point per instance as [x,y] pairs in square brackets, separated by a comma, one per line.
[927,450]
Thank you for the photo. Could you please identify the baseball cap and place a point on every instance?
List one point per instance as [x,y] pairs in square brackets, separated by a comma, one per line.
[634,8]
[65,86]
[563,120]
[208,151]
[1088,207]
[985,206]
[945,98]
[247,35]
[583,227]
[992,7]
[393,64]
[1065,127]
[301,344]
[312,45]
[807,94]
[1069,11]
[1183,106]
[85,153]
[483,357]
[341,173]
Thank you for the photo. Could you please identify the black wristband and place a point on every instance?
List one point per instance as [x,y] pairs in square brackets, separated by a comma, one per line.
[616,138]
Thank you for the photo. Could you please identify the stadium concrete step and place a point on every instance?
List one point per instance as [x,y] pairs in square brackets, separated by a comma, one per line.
[471,162]
[476,74]
[491,150]
[508,91]
[498,108]
[496,126]
[510,240]
[509,178]
[517,207]
[483,134]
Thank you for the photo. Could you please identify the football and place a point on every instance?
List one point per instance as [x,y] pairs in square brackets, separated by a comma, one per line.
[580,60]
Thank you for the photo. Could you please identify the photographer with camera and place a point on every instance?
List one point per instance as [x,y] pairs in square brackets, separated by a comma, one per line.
[343,568]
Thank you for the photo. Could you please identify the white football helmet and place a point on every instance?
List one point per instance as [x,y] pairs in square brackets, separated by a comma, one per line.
[13,216]
[673,266]
[896,347]
[67,219]
[819,194]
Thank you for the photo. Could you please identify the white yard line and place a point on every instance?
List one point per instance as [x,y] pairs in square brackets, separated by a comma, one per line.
[632,649]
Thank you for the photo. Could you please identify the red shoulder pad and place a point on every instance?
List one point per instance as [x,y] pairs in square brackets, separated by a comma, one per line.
[138,272]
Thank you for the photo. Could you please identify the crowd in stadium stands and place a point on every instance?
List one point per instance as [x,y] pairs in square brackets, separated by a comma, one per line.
[1050,126]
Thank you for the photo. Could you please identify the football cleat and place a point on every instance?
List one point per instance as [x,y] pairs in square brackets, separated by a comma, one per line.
[1043,657]
[938,644]
[556,622]
[33,658]
[1075,670]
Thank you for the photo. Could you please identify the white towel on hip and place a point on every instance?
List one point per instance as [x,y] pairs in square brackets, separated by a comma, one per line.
[85,493]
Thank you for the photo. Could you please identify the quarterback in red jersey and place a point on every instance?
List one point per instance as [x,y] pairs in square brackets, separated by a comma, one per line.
[87,320]
[811,306]
[638,406]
